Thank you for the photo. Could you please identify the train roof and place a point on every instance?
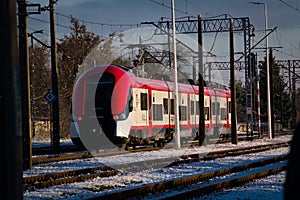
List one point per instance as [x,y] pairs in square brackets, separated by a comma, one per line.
[164,85]
[124,73]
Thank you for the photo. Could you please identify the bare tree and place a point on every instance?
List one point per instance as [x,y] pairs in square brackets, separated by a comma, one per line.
[72,52]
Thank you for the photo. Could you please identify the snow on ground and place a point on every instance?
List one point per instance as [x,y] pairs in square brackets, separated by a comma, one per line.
[47,143]
[268,188]
[144,156]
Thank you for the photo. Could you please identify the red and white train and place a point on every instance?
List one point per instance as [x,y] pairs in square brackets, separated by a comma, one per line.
[111,104]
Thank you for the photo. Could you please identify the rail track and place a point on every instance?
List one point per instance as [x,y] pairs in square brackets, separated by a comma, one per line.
[49,150]
[85,154]
[235,177]
[202,183]
[49,180]
[71,153]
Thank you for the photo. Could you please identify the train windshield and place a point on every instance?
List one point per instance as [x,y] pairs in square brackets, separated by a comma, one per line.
[109,99]
[103,96]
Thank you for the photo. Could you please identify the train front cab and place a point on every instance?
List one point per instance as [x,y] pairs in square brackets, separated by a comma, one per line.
[102,97]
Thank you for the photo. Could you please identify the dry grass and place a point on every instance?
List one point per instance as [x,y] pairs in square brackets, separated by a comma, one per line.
[42,131]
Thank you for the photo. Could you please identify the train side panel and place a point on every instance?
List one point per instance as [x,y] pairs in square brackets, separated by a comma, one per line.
[142,110]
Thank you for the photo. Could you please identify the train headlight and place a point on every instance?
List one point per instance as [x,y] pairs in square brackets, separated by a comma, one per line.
[121,116]
[76,118]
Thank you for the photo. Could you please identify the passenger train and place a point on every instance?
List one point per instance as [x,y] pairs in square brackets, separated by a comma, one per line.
[112,105]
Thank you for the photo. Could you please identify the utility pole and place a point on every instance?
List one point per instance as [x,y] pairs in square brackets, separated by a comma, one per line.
[55,102]
[232,86]
[258,98]
[268,74]
[142,52]
[25,84]
[25,79]
[271,91]
[268,70]
[176,104]
[201,84]
[10,105]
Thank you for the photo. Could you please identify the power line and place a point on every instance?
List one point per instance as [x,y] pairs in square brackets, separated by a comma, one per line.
[167,6]
[196,6]
[84,21]
[98,23]
[290,43]
[290,6]
[69,17]
[191,15]
[287,54]
[137,25]
[45,21]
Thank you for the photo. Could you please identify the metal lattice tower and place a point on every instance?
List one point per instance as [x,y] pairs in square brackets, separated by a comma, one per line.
[292,68]
[218,25]
[291,71]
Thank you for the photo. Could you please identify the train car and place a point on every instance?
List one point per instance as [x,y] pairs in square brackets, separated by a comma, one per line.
[112,105]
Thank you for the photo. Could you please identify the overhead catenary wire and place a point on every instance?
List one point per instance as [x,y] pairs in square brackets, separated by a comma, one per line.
[67,27]
[289,42]
[290,6]
[59,23]
[98,23]
[167,6]
[48,22]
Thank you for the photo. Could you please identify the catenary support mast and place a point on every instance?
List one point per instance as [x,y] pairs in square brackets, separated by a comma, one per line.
[10,105]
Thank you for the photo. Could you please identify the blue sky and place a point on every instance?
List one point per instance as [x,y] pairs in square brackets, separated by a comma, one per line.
[136,11]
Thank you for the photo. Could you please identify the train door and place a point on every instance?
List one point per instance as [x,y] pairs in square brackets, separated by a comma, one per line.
[229,111]
[162,116]
[193,107]
[158,117]
[168,104]
[215,109]
[183,114]
[223,115]
[207,112]
[140,116]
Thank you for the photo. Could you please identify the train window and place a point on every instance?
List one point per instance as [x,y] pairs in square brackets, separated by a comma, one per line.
[215,108]
[206,113]
[229,106]
[144,104]
[223,114]
[197,108]
[130,101]
[172,107]
[192,107]
[165,102]
[182,113]
[128,108]
[157,112]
